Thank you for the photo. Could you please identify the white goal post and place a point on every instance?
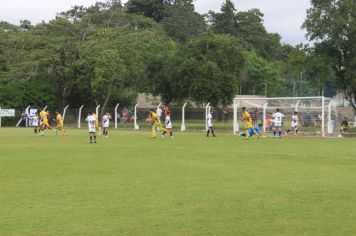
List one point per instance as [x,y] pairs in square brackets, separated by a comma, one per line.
[316,115]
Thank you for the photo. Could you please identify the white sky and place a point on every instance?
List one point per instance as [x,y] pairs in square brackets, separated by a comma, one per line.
[282,16]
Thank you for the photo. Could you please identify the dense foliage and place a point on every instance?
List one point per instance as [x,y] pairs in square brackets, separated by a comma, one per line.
[110,52]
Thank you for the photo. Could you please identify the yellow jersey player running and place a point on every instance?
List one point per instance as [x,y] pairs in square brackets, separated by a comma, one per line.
[246,116]
[60,125]
[155,122]
[44,121]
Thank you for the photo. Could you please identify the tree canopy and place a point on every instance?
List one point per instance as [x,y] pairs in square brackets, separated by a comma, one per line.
[109,52]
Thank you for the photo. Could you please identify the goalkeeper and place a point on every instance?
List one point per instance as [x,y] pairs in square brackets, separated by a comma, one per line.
[257,130]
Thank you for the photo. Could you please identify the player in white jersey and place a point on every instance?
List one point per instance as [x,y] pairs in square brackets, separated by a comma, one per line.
[106,122]
[92,126]
[159,115]
[169,127]
[277,123]
[294,124]
[36,123]
[209,121]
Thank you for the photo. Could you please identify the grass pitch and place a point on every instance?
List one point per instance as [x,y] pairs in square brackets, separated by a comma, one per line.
[192,185]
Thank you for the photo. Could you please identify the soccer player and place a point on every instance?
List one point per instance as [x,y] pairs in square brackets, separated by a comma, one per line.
[92,121]
[246,116]
[106,122]
[60,125]
[168,126]
[159,115]
[36,123]
[166,110]
[210,127]
[343,128]
[294,125]
[278,122]
[44,121]
[155,122]
[257,130]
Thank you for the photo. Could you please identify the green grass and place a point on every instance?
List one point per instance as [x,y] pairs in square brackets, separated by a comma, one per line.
[192,185]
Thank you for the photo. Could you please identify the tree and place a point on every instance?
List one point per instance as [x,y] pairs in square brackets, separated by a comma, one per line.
[225,21]
[331,26]
[181,22]
[119,61]
[261,76]
[204,70]
[150,8]
[248,26]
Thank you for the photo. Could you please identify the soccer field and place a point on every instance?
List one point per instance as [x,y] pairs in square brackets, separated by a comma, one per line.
[192,185]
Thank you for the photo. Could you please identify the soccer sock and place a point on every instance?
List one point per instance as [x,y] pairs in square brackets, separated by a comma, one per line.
[208,132]
[288,131]
[274,133]
[280,133]
[171,134]
[95,138]
[91,139]
[296,131]
[164,132]
[212,131]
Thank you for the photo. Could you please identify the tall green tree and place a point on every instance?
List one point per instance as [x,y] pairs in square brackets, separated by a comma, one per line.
[181,22]
[261,76]
[154,9]
[204,70]
[249,27]
[224,22]
[331,25]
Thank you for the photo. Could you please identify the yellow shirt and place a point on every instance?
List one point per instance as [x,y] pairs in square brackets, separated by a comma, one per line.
[247,118]
[153,116]
[59,119]
[44,116]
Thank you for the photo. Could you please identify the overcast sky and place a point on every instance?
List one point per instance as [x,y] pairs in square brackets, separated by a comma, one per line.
[282,16]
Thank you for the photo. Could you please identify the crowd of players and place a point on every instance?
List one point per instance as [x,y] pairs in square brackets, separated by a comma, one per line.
[40,123]
[276,122]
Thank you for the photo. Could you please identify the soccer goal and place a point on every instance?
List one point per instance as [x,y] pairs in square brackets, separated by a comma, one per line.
[316,115]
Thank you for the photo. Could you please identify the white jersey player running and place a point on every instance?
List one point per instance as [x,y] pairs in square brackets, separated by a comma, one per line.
[91,126]
[294,124]
[106,123]
[169,127]
[277,123]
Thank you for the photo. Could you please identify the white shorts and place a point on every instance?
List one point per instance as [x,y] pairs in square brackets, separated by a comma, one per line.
[294,124]
[169,127]
[105,126]
[92,130]
[278,125]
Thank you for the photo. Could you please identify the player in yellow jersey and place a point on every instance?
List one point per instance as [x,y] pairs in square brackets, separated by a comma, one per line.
[60,125]
[246,116]
[155,122]
[44,121]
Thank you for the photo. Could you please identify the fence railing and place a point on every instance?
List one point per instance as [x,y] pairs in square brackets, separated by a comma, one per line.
[193,118]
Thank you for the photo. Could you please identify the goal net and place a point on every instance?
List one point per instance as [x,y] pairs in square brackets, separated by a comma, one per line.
[316,115]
